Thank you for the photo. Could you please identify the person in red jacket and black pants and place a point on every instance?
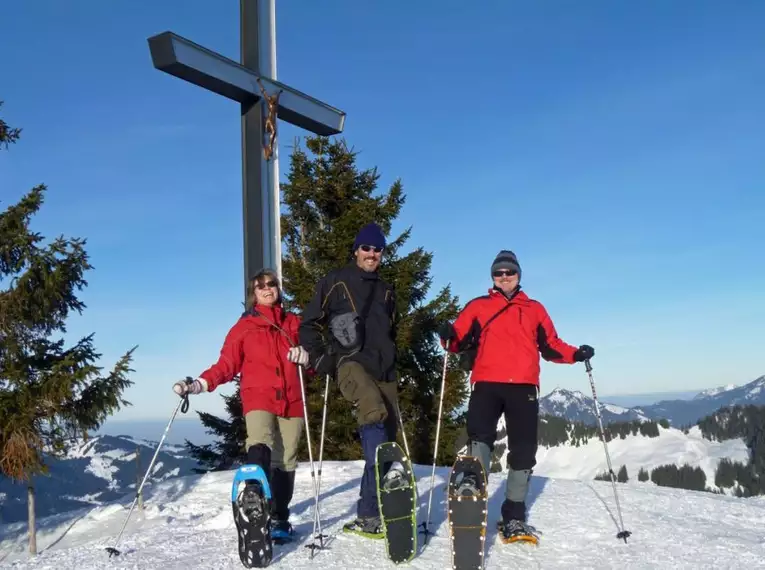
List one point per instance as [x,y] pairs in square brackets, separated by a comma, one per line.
[505,332]
[263,348]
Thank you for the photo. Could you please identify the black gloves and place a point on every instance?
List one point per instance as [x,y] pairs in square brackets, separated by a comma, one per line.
[584,352]
[446,332]
[324,362]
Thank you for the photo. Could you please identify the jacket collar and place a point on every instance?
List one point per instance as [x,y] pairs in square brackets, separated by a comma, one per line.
[369,275]
[265,316]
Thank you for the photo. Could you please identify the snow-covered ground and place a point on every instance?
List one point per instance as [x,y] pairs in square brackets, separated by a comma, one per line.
[672,446]
[187,524]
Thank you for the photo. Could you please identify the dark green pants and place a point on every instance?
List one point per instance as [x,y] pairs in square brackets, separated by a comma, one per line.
[376,406]
[375,401]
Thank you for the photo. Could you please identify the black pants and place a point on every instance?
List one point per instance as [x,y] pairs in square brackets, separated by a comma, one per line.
[520,404]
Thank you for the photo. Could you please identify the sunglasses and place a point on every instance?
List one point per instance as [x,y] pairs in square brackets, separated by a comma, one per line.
[368,248]
[266,285]
[505,273]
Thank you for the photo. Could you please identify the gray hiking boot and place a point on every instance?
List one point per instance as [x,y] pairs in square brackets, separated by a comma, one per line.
[395,478]
[468,486]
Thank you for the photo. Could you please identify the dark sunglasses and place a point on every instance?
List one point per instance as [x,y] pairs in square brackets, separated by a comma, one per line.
[368,248]
[266,285]
[505,273]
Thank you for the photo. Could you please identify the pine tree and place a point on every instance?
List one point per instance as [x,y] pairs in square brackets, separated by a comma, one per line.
[50,393]
[229,449]
[328,199]
[622,476]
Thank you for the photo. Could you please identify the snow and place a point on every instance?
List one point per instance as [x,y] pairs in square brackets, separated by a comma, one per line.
[102,467]
[614,409]
[90,498]
[672,446]
[560,397]
[187,524]
[715,391]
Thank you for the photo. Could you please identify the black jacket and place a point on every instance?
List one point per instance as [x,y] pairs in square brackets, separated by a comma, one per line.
[350,289]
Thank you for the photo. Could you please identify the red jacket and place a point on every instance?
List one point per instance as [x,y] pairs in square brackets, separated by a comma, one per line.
[509,349]
[257,350]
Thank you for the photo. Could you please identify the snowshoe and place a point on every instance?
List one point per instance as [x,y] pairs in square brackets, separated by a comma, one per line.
[252,516]
[397,501]
[467,507]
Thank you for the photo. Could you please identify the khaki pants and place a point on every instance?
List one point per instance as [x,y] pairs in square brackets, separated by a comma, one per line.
[375,401]
[281,435]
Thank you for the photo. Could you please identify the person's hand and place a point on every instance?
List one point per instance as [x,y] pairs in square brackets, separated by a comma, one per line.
[446,332]
[298,355]
[584,352]
[324,363]
[189,386]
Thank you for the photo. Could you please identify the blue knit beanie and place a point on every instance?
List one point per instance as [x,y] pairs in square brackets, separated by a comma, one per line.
[371,234]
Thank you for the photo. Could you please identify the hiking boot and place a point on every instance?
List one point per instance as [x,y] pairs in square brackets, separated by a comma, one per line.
[251,502]
[516,530]
[395,478]
[281,531]
[468,486]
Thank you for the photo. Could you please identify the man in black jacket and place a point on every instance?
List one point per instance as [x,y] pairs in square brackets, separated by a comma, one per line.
[348,329]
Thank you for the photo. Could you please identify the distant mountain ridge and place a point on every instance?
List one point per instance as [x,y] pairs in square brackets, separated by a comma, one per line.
[576,406]
[94,472]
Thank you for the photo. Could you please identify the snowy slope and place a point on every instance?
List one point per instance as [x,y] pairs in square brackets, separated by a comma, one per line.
[94,472]
[187,524]
[672,446]
[714,391]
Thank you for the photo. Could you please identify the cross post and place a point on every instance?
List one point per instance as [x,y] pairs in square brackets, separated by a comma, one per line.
[253,84]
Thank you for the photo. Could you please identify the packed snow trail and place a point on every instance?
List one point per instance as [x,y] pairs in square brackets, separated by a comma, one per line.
[188,524]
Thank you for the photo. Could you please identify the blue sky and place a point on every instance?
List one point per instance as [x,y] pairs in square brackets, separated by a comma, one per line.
[617,148]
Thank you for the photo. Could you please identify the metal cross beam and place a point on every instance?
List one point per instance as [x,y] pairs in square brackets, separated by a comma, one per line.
[184,59]
[252,83]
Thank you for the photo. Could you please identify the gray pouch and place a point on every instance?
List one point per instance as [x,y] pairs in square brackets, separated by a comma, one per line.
[347,330]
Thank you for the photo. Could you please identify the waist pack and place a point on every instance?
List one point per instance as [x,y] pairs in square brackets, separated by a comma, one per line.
[349,329]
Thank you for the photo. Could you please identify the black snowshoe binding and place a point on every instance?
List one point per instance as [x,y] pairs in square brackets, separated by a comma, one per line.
[395,478]
[370,527]
[515,530]
[467,486]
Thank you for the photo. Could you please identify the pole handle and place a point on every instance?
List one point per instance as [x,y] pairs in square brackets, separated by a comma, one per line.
[587,365]
[185,397]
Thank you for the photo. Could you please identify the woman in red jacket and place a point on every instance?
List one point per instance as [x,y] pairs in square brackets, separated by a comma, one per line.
[263,348]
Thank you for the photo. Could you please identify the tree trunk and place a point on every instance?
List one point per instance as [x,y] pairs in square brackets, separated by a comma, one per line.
[31,511]
[138,477]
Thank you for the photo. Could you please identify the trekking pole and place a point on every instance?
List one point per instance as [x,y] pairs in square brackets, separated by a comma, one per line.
[403,431]
[424,525]
[312,546]
[622,534]
[183,406]
[406,448]
[317,512]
